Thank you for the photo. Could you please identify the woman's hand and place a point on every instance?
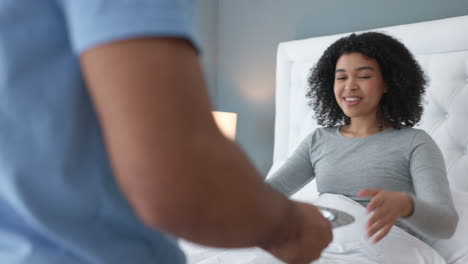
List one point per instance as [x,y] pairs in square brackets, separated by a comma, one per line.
[387,206]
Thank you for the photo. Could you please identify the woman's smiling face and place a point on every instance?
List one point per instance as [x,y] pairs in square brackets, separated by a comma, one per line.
[359,85]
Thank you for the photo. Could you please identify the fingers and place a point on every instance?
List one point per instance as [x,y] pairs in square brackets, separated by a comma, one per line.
[376,227]
[368,192]
[383,217]
[375,203]
[313,235]
[383,232]
[378,220]
[378,214]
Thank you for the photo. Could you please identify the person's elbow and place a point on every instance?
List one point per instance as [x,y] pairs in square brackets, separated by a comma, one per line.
[175,215]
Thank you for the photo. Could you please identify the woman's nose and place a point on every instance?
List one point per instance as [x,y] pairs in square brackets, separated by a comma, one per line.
[351,85]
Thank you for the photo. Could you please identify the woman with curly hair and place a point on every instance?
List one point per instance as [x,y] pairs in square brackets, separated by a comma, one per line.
[366,90]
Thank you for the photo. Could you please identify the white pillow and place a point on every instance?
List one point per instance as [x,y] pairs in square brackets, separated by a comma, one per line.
[455,249]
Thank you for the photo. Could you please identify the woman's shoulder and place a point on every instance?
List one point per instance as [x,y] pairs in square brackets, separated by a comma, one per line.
[411,132]
[319,134]
[323,132]
[327,130]
[414,136]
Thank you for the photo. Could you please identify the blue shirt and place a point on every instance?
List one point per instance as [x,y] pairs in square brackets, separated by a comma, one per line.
[59,202]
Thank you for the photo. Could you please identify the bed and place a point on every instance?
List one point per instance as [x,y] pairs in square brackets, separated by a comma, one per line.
[441,47]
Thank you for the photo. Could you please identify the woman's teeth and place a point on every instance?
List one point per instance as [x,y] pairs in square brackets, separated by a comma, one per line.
[351,99]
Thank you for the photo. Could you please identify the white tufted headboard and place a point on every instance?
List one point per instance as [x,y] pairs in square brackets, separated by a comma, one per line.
[440,46]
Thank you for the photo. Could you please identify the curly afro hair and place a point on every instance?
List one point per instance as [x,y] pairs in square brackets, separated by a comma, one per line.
[400,106]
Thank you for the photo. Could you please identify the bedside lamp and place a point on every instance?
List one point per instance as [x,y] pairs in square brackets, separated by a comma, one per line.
[226,122]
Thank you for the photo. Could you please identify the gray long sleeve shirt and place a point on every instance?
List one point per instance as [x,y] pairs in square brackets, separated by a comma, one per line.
[406,160]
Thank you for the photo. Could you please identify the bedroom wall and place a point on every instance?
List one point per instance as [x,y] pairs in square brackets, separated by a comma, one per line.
[248,35]
[207,26]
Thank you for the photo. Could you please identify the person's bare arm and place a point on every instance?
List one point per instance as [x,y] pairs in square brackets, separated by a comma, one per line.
[174,166]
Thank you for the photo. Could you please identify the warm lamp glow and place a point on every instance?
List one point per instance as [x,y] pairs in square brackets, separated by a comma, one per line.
[226,122]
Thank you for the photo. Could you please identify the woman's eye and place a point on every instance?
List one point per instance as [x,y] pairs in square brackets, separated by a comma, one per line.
[364,77]
[341,78]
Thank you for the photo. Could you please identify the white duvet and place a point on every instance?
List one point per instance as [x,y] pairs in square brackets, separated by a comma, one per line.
[349,244]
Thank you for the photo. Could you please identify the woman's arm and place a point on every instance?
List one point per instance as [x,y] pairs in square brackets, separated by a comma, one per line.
[434,214]
[296,172]
[430,211]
